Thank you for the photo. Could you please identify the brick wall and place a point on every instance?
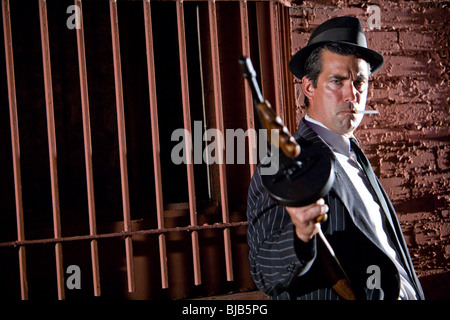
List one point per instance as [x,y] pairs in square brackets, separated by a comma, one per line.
[408,143]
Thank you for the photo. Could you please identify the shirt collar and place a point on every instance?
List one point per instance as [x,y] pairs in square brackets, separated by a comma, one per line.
[337,142]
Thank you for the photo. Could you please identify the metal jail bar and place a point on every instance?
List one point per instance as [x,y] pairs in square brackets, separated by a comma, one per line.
[122,234]
[155,142]
[187,127]
[245,39]
[14,124]
[88,150]
[122,142]
[274,58]
[52,145]
[220,126]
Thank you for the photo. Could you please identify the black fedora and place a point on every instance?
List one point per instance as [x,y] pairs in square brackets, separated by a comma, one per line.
[345,30]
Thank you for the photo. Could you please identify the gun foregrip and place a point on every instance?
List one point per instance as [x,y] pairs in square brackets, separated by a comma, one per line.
[271,121]
[268,116]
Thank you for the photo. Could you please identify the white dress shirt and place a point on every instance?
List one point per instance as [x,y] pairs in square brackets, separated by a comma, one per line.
[340,145]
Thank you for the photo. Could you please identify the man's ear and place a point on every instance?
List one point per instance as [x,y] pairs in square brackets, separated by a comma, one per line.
[308,88]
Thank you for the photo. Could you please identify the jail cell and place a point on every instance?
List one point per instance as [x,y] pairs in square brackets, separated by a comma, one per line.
[91,92]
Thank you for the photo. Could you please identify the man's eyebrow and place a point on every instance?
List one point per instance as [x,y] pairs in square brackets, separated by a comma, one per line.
[338,77]
[362,77]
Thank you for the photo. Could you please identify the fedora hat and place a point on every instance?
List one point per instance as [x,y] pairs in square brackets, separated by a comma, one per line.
[345,30]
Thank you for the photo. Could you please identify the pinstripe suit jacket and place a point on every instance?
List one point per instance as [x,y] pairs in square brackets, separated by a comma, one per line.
[286,268]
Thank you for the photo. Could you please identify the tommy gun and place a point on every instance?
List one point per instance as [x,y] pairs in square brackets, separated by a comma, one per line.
[304,175]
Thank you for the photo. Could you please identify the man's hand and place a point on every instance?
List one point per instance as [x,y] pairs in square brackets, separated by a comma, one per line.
[305,218]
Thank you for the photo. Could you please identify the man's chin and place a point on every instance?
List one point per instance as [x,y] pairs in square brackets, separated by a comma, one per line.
[347,126]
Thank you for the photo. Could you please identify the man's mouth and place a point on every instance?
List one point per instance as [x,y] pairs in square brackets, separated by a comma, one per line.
[348,111]
[348,108]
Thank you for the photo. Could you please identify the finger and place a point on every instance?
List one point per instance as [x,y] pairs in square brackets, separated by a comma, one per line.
[323,214]
[322,218]
[319,202]
[310,213]
[316,212]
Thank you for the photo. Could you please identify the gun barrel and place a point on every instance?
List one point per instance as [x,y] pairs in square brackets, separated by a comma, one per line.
[250,74]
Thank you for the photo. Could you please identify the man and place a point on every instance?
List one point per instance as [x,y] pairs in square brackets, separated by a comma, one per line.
[361,223]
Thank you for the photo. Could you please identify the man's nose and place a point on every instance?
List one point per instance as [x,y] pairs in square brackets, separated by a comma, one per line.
[350,92]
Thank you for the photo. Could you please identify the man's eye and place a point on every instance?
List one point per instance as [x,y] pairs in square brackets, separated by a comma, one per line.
[359,84]
[336,81]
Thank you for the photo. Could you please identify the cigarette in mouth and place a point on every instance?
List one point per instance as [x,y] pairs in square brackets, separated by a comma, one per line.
[367,111]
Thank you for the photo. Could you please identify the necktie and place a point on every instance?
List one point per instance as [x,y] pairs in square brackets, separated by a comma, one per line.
[365,164]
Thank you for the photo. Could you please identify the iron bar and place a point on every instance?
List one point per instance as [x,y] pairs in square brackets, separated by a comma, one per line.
[276,58]
[52,145]
[155,142]
[124,234]
[245,39]
[187,127]
[14,126]
[220,126]
[122,142]
[88,149]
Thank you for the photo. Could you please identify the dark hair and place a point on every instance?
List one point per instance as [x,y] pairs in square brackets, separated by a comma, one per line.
[313,65]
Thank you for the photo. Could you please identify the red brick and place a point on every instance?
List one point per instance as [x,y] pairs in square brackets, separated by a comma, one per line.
[408,15]
[410,66]
[411,40]
[383,41]
[409,90]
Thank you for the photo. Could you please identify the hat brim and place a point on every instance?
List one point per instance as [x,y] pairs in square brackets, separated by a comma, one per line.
[297,63]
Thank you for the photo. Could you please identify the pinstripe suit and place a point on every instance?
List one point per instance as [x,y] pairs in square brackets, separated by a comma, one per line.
[286,268]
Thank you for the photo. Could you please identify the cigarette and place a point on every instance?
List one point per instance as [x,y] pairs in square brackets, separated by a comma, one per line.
[367,111]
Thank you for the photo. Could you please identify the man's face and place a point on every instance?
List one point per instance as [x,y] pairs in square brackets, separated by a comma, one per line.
[341,88]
